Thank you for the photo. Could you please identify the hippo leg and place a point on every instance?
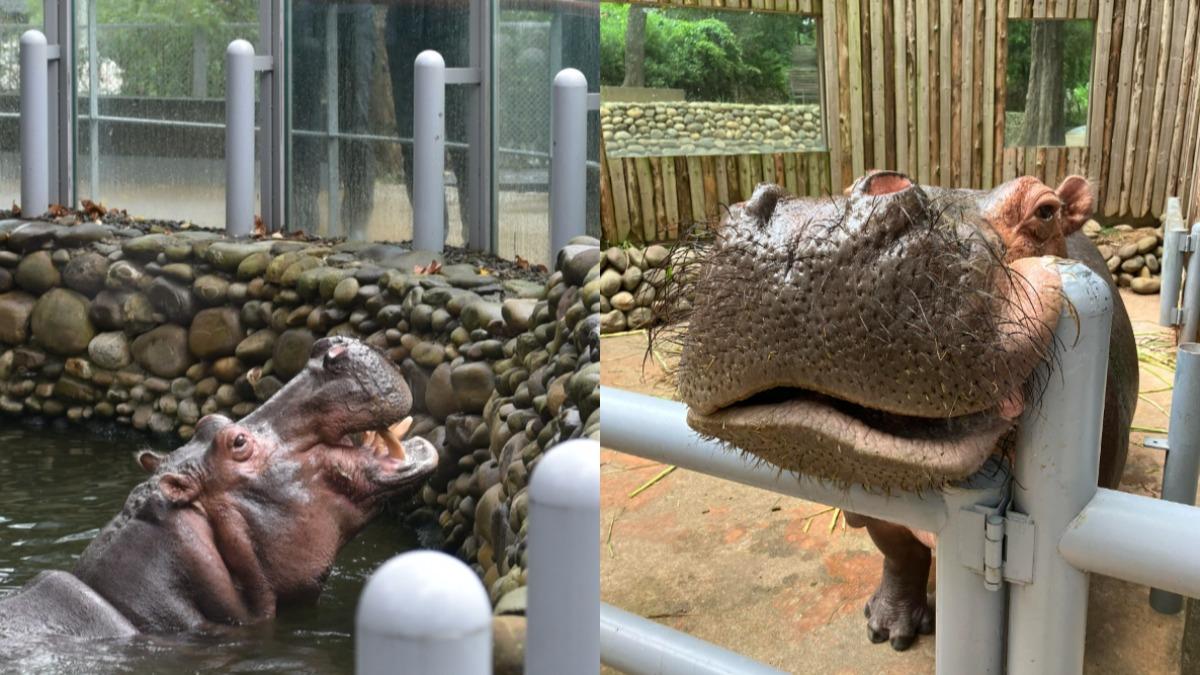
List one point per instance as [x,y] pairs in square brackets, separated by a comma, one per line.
[899,609]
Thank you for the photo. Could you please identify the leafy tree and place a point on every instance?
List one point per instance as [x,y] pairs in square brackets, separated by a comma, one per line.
[711,55]
[1073,40]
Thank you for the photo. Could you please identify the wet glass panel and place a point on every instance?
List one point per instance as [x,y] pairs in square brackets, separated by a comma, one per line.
[150,111]
[534,40]
[1048,82]
[351,115]
[16,17]
[708,82]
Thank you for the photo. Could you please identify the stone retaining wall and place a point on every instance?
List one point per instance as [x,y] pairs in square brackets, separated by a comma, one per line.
[156,330]
[699,128]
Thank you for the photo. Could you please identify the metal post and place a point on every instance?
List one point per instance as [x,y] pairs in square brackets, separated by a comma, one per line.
[1172,263]
[239,139]
[481,231]
[429,151]
[93,103]
[564,561]
[423,612]
[35,134]
[1190,304]
[1182,469]
[273,67]
[970,619]
[333,146]
[59,23]
[1055,477]
[639,646]
[568,159]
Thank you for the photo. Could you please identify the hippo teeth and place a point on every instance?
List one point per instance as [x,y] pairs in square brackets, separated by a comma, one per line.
[386,442]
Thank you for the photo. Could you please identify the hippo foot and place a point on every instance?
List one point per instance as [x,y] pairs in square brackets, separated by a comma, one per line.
[898,616]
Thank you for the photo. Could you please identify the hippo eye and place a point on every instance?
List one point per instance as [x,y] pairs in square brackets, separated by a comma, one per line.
[239,440]
[1046,211]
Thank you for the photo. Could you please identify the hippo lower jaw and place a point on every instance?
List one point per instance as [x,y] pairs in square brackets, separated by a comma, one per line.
[847,443]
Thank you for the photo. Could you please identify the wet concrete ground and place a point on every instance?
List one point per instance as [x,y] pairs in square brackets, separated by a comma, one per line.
[776,579]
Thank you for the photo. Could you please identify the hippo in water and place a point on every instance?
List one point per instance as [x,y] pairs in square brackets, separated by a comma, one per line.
[889,337]
[247,516]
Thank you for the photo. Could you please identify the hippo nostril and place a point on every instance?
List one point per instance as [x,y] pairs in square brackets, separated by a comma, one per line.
[336,354]
[885,182]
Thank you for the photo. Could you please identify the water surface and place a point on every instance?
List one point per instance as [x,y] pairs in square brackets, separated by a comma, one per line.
[58,487]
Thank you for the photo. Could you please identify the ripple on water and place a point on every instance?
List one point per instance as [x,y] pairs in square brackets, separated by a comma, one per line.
[58,488]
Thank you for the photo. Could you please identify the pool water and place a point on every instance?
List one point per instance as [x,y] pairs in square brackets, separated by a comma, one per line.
[59,486]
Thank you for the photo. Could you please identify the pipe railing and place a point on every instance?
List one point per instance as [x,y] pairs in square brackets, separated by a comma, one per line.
[34,124]
[1035,549]
[568,159]
[426,612]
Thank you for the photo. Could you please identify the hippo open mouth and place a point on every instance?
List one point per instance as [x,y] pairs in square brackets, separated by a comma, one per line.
[883,338]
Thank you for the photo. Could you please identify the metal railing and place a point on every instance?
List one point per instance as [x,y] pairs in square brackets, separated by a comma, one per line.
[1015,547]
[430,613]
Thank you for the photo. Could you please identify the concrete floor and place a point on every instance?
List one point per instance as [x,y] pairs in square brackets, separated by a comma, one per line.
[776,579]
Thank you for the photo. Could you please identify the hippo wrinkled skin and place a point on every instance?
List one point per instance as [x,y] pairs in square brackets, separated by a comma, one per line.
[247,516]
[899,320]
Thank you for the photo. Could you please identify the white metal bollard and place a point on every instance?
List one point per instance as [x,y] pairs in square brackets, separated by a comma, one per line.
[239,139]
[423,612]
[568,159]
[1172,263]
[34,124]
[564,561]
[1055,477]
[1190,303]
[429,152]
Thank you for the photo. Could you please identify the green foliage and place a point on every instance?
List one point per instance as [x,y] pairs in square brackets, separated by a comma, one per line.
[711,55]
[154,42]
[1077,66]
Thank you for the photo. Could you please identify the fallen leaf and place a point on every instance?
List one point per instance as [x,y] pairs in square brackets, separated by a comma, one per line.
[16,210]
[432,268]
[522,263]
[485,272]
[260,228]
[56,211]
[93,210]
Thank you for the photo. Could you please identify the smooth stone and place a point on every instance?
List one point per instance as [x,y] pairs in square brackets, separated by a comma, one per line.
[172,300]
[473,385]
[1147,244]
[32,235]
[610,282]
[439,393]
[639,317]
[656,255]
[346,292]
[521,288]
[110,350]
[481,314]
[83,234]
[112,310]
[227,255]
[124,274]
[1127,251]
[258,347]
[517,313]
[6,280]
[1133,264]
[612,322]
[37,273]
[145,247]
[291,351]
[428,354]
[617,259]
[215,332]
[86,273]
[60,322]
[576,261]
[1145,285]
[163,351]
[15,310]
[623,301]
[211,289]
[228,369]
[253,265]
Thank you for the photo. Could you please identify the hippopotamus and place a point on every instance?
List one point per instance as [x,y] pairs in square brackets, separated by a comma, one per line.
[896,321]
[248,515]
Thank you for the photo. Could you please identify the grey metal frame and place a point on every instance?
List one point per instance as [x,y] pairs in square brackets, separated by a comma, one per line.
[59,22]
[34,123]
[1030,540]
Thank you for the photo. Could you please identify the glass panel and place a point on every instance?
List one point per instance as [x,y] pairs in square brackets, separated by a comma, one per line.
[534,40]
[1048,82]
[705,82]
[152,139]
[350,149]
[16,17]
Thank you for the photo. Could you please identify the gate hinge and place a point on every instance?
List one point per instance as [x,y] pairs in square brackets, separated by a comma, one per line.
[997,543]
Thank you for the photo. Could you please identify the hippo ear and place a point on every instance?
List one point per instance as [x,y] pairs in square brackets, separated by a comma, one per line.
[179,488]
[149,460]
[1077,200]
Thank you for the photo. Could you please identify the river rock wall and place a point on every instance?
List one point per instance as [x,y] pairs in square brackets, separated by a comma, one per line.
[157,329]
[670,128]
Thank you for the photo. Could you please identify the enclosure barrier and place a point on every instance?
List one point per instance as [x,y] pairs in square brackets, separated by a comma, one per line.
[1033,535]
[34,123]
[427,612]
[241,66]
[568,159]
